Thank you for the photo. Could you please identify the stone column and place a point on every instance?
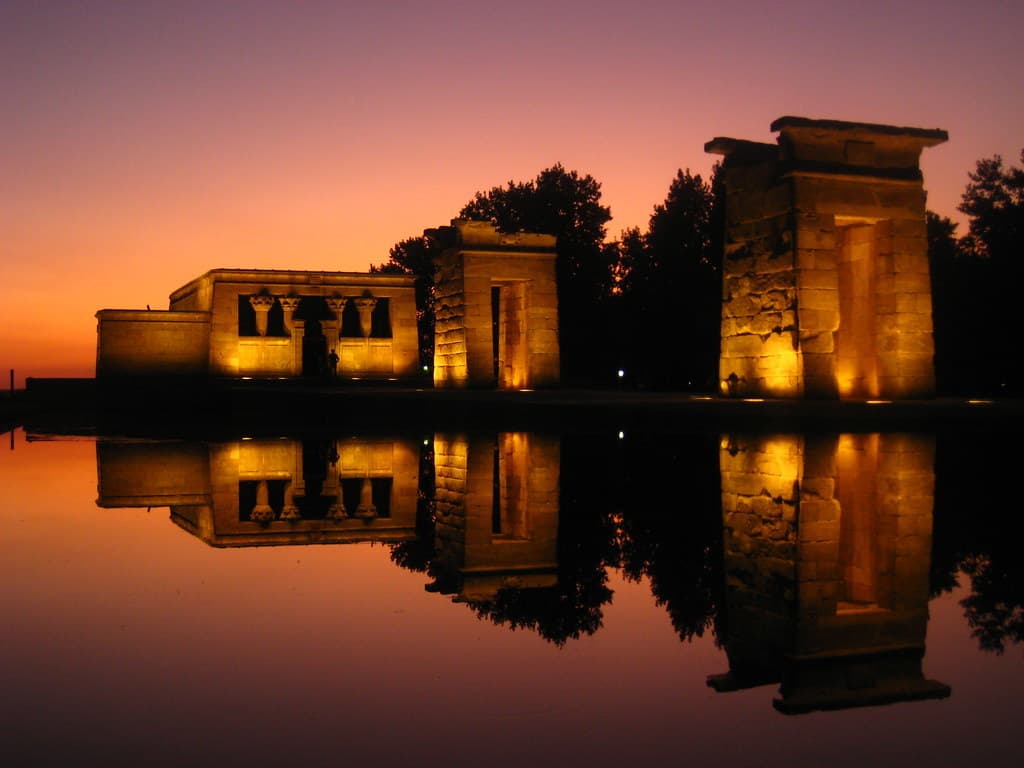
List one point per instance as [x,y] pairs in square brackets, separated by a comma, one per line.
[366,508]
[365,305]
[332,329]
[262,305]
[294,328]
[288,306]
[332,482]
[290,511]
[262,513]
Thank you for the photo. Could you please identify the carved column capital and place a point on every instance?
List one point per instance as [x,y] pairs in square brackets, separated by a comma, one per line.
[261,303]
[336,304]
[365,305]
[288,305]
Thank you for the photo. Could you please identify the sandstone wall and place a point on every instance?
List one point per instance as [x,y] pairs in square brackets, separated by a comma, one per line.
[151,343]
[476,261]
[826,288]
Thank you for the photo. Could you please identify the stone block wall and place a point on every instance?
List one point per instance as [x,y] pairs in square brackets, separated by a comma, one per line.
[760,352]
[476,261]
[151,343]
[826,290]
[230,354]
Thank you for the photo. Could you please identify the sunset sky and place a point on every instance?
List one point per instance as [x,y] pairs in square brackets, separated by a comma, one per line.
[143,143]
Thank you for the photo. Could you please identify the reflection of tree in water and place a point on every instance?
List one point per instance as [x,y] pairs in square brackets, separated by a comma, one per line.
[995,607]
[671,529]
[573,607]
[972,504]
[649,505]
[586,547]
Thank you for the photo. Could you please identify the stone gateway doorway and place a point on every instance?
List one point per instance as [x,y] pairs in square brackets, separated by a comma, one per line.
[314,350]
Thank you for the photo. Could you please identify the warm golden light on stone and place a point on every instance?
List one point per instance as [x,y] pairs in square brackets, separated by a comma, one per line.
[294,328]
[827,556]
[826,289]
[496,308]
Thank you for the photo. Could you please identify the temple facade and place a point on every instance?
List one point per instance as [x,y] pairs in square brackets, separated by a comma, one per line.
[496,306]
[826,287]
[268,323]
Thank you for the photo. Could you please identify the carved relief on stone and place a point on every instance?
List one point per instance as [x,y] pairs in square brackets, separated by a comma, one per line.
[337,305]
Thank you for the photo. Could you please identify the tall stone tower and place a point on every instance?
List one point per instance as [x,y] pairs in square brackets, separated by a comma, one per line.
[826,287]
[496,308]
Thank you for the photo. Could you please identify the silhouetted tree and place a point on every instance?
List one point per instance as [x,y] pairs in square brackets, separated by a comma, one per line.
[563,203]
[994,204]
[557,202]
[415,256]
[957,321]
[669,279]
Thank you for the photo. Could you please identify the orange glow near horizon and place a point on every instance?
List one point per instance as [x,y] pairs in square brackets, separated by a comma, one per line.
[149,144]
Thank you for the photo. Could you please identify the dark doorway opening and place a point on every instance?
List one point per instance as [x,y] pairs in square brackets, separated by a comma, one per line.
[496,330]
[314,350]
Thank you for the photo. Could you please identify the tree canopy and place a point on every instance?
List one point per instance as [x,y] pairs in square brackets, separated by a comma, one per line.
[669,284]
[976,282]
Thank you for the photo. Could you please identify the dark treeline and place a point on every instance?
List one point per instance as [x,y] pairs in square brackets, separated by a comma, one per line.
[976,282]
[649,302]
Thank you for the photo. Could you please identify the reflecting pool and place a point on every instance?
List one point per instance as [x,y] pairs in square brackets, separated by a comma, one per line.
[508,598]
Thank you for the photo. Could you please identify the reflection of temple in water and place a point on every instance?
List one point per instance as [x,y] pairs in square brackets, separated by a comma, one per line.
[267,491]
[827,552]
[496,513]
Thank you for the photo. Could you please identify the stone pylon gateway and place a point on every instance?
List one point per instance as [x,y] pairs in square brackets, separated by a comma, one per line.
[826,288]
[496,308]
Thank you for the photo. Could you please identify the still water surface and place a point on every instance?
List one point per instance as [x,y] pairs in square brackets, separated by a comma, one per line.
[453,599]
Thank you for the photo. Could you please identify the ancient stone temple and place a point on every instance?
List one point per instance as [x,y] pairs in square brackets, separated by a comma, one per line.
[268,323]
[496,308]
[826,288]
[827,545]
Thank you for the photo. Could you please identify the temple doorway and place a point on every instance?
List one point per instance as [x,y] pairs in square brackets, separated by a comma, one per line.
[508,334]
[314,350]
[859,246]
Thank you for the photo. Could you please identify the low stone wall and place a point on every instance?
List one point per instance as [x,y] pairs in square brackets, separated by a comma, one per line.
[151,343]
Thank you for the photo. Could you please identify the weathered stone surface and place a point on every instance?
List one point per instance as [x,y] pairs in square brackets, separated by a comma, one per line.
[478,262]
[837,211]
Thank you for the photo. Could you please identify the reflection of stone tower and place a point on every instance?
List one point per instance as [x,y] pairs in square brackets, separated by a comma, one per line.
[496,308]
[827,552]
[826,289]
[496,511]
